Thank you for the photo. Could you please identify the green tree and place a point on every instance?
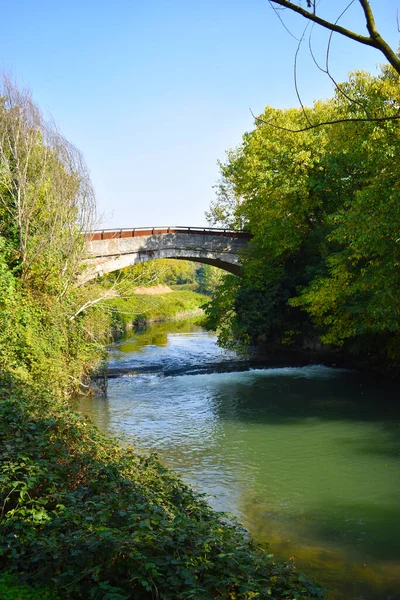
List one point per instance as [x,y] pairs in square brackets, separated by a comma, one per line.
[163,270]
[275,173]
[209,278]
[323,209]
[46,197]
[356,298]
[46,202]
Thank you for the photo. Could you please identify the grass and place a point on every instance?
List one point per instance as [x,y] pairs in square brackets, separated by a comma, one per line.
[161,307]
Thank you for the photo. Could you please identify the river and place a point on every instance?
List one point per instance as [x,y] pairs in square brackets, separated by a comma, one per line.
[307,458]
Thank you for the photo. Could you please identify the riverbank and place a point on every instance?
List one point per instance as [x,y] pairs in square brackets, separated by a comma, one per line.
[315,353]
[155,304]
[91,518]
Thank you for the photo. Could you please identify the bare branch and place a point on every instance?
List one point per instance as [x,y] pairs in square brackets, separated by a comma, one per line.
[327,70]
[374,39]
[282,21]
[295,76]
[108,294]
[333,122]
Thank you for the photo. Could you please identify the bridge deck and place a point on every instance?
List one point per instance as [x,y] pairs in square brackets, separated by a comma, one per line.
[108,234]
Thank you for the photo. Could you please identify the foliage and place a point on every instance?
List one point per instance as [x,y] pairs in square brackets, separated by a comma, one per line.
[323,208]
[355,300]
[46,200]
[179,271]
[196,276]
[38,341]
[11,589]
[95,520]
[138,309]
[190,282]
[209,278]
[163,270]
[222,314]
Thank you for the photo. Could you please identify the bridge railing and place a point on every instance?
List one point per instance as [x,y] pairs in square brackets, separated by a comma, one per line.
[108,234]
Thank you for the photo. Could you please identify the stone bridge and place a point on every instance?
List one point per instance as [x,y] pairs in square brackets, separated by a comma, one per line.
[115,249]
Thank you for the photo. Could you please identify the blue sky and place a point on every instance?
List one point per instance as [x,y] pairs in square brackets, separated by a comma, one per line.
[153,93]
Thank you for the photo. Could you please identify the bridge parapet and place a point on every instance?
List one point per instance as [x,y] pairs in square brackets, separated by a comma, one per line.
[107,234]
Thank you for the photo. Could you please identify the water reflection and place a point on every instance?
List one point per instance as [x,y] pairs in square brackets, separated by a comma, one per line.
[156,335]
[308,458]
[98,409]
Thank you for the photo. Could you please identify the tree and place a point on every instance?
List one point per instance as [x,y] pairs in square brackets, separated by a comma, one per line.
[272,171]
[356,297]
[46,202]
[374,39]
[46,198]
[323,208]
[209,278]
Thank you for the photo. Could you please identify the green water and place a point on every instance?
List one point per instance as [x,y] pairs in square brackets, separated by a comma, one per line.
[307,458]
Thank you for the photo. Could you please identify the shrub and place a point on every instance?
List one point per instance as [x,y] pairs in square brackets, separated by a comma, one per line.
[11,589]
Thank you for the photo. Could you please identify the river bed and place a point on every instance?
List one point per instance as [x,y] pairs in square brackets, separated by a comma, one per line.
[307,458]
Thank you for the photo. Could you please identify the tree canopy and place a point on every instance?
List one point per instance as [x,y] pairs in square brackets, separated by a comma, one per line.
[46,202]
[323,207]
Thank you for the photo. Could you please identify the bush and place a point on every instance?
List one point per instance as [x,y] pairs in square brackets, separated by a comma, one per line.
[11,589]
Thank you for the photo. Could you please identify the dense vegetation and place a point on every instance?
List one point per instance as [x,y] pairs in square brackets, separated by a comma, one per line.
[323,206]
[46,200]
[12,589]
[81,516]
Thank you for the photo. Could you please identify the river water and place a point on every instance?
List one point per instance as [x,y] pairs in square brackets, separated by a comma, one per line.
[307,458]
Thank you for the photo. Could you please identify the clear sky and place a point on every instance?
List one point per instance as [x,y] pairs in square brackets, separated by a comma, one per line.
[153,93]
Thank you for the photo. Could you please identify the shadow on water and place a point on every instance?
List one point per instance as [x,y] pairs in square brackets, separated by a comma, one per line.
[287,402]
[351,548]
[368,529]
[288,396]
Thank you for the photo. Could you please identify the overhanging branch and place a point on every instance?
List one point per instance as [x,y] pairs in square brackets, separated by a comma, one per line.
[374,39]
[333,122]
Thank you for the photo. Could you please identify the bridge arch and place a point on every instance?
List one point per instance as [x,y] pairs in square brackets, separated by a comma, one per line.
[111,250]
